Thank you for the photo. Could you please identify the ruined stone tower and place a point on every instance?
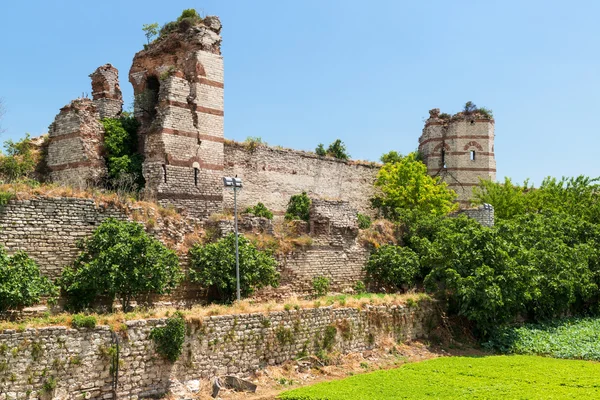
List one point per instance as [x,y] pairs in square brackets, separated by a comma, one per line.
[106,91]
[178,89]
[459,149]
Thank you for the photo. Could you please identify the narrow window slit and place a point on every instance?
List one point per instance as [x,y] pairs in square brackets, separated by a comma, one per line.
[164,167]
[196,171]
[472,155]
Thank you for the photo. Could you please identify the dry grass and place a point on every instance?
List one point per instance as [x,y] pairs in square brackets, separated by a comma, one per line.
[116,320]
[380,233]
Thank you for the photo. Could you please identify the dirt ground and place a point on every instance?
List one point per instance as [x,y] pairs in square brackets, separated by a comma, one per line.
[309,370]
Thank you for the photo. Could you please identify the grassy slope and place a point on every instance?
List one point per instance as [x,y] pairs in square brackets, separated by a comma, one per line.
[571,338]
[497,377]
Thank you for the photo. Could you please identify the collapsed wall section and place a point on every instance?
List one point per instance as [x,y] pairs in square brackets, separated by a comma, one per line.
[178,87]
[106,92]
[79,361]
[75,145]
[460,150]
[272,176]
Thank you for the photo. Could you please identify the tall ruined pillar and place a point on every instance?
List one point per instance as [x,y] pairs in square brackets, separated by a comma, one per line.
[75,147]
[459,149]
[106,91]
[178,89]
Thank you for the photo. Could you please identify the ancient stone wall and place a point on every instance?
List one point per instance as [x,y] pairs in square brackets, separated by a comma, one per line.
[75,146]
[272,176]
[460,150]
[78,361]
[483,214]
[106,91]
[48,229]
[178,84]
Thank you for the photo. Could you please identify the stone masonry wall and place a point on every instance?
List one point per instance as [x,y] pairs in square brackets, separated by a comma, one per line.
[78,360]
[75,147]
[106,91]
[483,214]
[48,228]
[272,176]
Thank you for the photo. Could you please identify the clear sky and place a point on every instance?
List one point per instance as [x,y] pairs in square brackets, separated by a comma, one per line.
[302,72]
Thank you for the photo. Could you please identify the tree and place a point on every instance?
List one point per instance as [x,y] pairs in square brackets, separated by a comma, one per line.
[20,159]
[213,266]
[150,30]
[21,283]
[405,185]
[122,158]
[120,260]
[320,150]
[338,150]
[298,208]
[393,267]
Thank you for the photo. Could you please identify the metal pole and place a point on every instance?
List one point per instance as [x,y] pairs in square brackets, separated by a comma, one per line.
[237,256]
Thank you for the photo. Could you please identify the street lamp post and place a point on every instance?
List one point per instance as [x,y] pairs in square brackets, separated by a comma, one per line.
[235,184]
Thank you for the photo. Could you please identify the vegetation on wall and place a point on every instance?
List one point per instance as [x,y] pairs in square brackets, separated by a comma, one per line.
[213,266]
[119,261]
[392,267]
[298,207]
[405,186]
[259,210]
[169,338]
[188,18]
[123,161]
[21,283]
[336,149]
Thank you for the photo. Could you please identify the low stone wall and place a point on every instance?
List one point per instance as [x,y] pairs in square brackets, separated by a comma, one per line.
[78,361]
[483,214]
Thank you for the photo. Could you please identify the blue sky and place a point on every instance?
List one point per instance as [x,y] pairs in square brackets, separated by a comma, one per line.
[302,72]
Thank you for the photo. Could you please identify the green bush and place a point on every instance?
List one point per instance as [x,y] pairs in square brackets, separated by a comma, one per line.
[392,267]
[320,150]
[359,287]
[338,150]
[320,285]
[364,221]
[120,260]
[189,13]
[20,160]
[83,321]
[259,210]
[169,338]
[123,161]
[213,266]
[298,207]
[21,283]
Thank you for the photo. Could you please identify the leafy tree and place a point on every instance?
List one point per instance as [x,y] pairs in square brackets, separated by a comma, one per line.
[508,199]
[21,283]
[338,150]
[405,185]
[119,261]
[391,157]
[393,267]
[298,207]
[260,210]
[150,30]
[320,150]
[20,159]
[213,266]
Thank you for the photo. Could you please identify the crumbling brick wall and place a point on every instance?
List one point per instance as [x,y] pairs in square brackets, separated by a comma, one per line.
[459,149]
[106,91]
[75,147]
[178,84]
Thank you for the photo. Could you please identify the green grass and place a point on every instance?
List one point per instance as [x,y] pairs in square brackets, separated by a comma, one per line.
[569,338]
[495,377]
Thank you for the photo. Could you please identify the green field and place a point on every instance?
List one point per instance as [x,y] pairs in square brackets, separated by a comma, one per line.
[494,377]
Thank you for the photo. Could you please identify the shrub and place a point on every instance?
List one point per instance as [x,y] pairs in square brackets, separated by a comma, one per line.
[83,321]
[189,13]
[298,207]
[213,266]
[260,210]
[19,161]
[120,260]
[392,267]
[338,150]
[21,283]
[359,287]
[169,338]
[123,161]
[364,221]
[252,142]
[320,285]
[320,150]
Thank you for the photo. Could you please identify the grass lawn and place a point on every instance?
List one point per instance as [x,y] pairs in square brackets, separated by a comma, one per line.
[494,377]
